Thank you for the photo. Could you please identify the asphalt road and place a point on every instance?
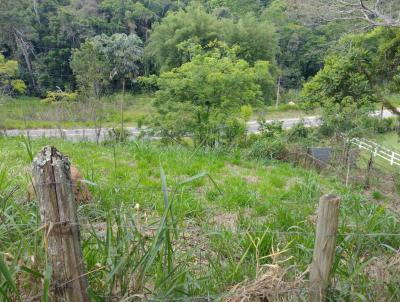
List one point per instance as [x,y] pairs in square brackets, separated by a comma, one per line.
[90,133]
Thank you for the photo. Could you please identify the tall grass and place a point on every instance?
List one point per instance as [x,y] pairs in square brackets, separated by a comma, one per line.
[174,232]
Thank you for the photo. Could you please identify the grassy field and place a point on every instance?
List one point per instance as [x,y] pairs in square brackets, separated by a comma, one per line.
[29,112]
[26,112]
[224,228]
[390,140]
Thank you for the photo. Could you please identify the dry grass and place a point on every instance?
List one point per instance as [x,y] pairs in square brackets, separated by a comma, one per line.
[271,285]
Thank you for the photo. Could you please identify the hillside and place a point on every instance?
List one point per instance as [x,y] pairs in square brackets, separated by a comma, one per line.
[225,227]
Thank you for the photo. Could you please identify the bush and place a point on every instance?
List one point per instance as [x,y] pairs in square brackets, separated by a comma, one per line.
[234,131]
[270,129]
[298,132]
[268,148]
[117,135]
[18,86]
[246,111]
[384,125]
[60,96]
[326,130]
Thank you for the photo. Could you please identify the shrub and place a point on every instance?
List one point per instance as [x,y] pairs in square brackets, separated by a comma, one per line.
[299,131]
[268,148]
[235,130]
[246,111]
[60,96]
[18,86]
[270,129]
[384,125]
[117,135]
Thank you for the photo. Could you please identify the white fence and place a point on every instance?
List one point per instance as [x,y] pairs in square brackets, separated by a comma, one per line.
[377,150]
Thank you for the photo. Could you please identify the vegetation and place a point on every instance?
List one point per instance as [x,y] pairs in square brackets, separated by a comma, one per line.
[9,83]
[204,97]
[220,197]
[225,228]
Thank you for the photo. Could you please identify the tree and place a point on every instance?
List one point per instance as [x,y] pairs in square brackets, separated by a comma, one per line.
[301,48]
[237,7]
[91,68]
[9,82]
[17,31]
[372,12]
[345,88]
[257,39]
[203,97]
[124,54]
[356,75]
[193,24]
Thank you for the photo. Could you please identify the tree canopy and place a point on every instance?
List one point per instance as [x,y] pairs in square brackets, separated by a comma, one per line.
[203,97]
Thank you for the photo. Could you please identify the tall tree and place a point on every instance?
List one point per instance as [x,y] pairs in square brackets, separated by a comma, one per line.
[373,12]
[204,96]
[194,24]
[17,31]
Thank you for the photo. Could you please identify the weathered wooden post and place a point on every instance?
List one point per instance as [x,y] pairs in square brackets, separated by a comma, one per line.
[324,249]
[368,172]
[52,179]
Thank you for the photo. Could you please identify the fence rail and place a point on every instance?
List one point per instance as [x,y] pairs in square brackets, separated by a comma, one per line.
[377,150]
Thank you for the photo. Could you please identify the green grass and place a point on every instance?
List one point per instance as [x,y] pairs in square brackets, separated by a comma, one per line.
[394,99]
[206,242]
[29,112]
[389,140]
[33,113]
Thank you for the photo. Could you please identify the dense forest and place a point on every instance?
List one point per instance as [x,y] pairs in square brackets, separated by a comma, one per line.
[232,53]
[49,38]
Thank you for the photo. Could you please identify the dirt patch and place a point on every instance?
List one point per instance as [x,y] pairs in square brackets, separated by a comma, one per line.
[251,179]
[271,285]
[291,182]
[383,269]
[226,221]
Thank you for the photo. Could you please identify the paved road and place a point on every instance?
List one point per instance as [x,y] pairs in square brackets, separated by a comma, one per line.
[90,133]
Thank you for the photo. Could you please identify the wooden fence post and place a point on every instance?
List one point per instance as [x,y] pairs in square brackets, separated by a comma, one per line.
[324,249]
[52,179]
[368,172]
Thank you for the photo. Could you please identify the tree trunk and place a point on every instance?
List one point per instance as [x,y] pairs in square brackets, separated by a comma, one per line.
[122,110]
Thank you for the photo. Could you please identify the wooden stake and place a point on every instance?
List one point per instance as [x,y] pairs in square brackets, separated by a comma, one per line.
[368,173]
[52,178]
[324,249]
[278,95]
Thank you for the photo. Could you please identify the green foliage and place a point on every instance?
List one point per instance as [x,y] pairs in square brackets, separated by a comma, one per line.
[18,86]
[9,72]
[235,7]
[193,25]
[302,48]
[90,67]
[135,234]
[352,78]
[170,44]
[268,148]
[270,129]
[257,38]
[60,96]
[199,97]
[246,112]
[343,90]
[124,54]
[104,58]
[299,132]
